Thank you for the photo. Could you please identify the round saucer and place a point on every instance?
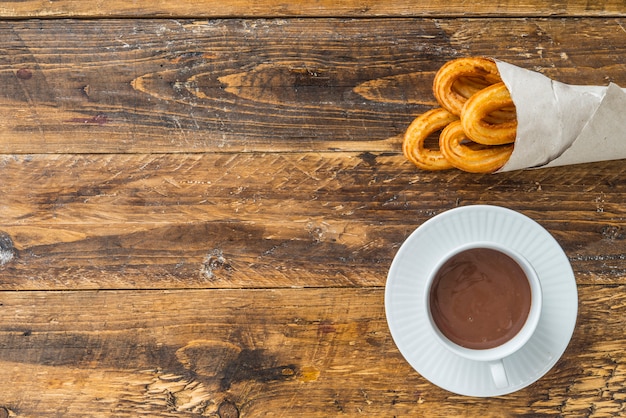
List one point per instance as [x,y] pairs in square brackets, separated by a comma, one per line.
[417,257]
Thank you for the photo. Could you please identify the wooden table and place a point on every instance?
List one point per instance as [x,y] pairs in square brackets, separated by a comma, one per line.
[200,201]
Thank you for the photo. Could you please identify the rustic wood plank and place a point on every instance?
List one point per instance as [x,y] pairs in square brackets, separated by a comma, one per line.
[287,352]
[274,8]
[271,220]
[197,216]
[260,85]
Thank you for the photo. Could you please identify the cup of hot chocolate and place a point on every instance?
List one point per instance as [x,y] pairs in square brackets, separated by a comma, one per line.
[483,302]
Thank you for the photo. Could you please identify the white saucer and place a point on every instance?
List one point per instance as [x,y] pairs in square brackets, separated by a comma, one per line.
[417,257]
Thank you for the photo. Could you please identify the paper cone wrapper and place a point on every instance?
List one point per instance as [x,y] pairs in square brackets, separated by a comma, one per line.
[562,124]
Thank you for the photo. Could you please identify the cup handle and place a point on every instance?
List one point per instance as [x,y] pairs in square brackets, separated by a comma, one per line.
[498,373]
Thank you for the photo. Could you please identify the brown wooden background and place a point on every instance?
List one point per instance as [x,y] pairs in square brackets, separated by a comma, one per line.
[200,200]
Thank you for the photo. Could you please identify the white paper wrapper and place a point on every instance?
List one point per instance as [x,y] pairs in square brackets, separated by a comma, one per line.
[561,124]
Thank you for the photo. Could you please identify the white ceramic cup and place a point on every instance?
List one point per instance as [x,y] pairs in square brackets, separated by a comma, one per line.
[493,356]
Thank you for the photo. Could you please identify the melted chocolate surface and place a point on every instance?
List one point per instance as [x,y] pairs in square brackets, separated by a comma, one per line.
[480,298]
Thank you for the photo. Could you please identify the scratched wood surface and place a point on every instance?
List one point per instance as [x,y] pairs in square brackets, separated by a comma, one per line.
[197,216]
[166,86]
[279,352]
[320,8]
[270,219]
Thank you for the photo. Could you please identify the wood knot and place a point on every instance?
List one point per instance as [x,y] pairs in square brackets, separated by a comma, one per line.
[23,74]
[7,249]
[215,265]
[228,409]
[4,413]
[612,233]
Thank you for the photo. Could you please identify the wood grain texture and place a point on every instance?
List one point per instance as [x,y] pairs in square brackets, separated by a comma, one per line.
[200,201]
[327,8]
[281,352]
[271,220]
[145,86]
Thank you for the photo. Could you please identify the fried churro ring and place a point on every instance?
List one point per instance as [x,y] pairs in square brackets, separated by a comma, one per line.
[413,145]
[458,79]
[482,140]
[477,110]
[469,156]
[468,86]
